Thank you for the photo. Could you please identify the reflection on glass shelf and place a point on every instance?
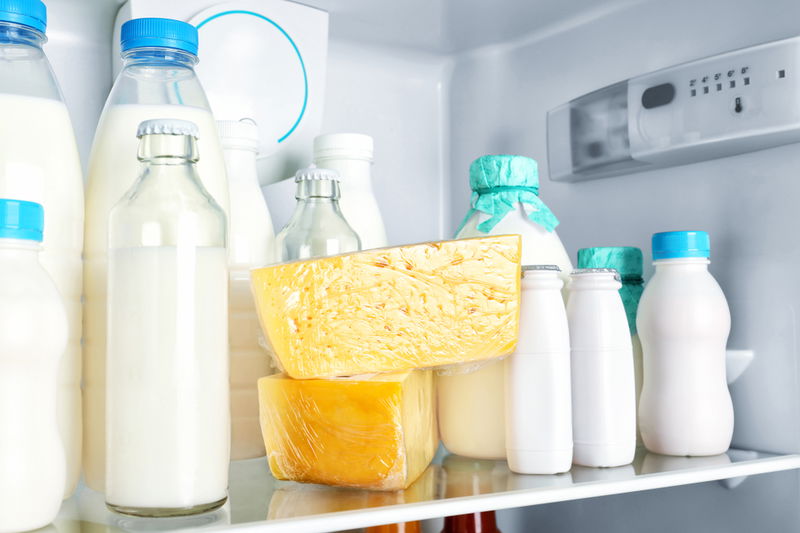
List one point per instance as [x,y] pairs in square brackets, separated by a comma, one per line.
[451,485]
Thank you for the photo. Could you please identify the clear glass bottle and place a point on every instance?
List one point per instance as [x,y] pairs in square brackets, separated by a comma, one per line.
[167,398]
[317,227]
[157,80]
[39,163]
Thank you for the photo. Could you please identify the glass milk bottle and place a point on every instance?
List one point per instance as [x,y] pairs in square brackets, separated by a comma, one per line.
[627,261]
[33,335]
[603,390]
[167,408]
[39,163]
[350,154]
[538,402]
[505,200]
[157,80]
[251,244]
[317,227]
[684,322]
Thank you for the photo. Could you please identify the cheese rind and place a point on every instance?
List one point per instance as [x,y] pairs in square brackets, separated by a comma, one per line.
[392,309]
[374,433]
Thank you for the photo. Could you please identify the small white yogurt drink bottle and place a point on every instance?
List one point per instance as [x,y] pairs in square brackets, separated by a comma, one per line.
[603,390]
[167,388]
[538,399]
[33,337]
[684,321]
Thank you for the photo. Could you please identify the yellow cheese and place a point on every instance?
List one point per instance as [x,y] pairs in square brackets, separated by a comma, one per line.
[374,433]
[417,306]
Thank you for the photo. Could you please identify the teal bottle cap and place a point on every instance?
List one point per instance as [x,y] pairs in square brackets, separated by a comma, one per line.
[627,260]
[677,244]
[490,171]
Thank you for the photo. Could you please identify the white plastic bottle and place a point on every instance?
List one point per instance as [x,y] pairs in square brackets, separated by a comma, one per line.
[538,397]
[39,163]
[350,154]
[157,81]
[627,261]
[33,335]
[505,200]
[167,408]
[684,322]
[251,244]
[603,392]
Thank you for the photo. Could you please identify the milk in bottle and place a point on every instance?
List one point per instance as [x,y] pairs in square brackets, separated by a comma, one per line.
[39,163]
[603,390]
[33,334]
[167,408]
[157,80]
[505,200]
[251,244]
[627,261]
[684,322]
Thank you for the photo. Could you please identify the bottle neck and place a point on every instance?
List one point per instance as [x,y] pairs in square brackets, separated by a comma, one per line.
[356,174]
[160,149]
[241,163]
[324,189]
[157,56]
[12,33]
[683,263]
[21,249]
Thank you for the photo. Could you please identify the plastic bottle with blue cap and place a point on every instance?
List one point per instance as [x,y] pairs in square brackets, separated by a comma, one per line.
[505,200]
[40,163]
[157,80]
[33,335]
[683,320]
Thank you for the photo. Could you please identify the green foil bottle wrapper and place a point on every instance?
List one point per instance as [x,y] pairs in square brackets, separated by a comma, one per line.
[627,260]
[499,183]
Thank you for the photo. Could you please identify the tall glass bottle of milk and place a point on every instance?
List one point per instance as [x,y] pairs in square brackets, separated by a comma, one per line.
[251,244]
[167,398]
[39,163]
[627,261]
[684,321]
[33,334]
[350,154]
[157,80]
[317,227]
[505,200]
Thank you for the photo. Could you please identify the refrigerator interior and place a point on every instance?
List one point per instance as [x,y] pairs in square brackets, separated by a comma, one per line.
[438,83]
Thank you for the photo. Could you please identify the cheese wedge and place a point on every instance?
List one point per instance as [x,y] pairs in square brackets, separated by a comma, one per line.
[374,433]
[391,309]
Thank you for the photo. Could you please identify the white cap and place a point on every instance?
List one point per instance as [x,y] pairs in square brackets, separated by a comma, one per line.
[167,126]
[241,134]
[343,146]
[313,173]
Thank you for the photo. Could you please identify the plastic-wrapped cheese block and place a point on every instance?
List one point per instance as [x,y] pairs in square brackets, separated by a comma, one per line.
[371,432]
[391,309]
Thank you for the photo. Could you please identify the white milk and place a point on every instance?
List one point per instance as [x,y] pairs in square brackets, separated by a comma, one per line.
[39,163]
[685,407]
[33,334]
[350,154]
[168,413]
[538,401]
[472,406]
[113,169]
[251,244]
[603,385]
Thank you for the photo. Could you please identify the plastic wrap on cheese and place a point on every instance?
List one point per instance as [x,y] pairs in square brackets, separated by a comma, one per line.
[373,433]
[390,309]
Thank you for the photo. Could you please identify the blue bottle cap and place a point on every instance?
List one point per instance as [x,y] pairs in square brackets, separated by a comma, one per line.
[675,244]
[164,33]
[31,13]
[21,220]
